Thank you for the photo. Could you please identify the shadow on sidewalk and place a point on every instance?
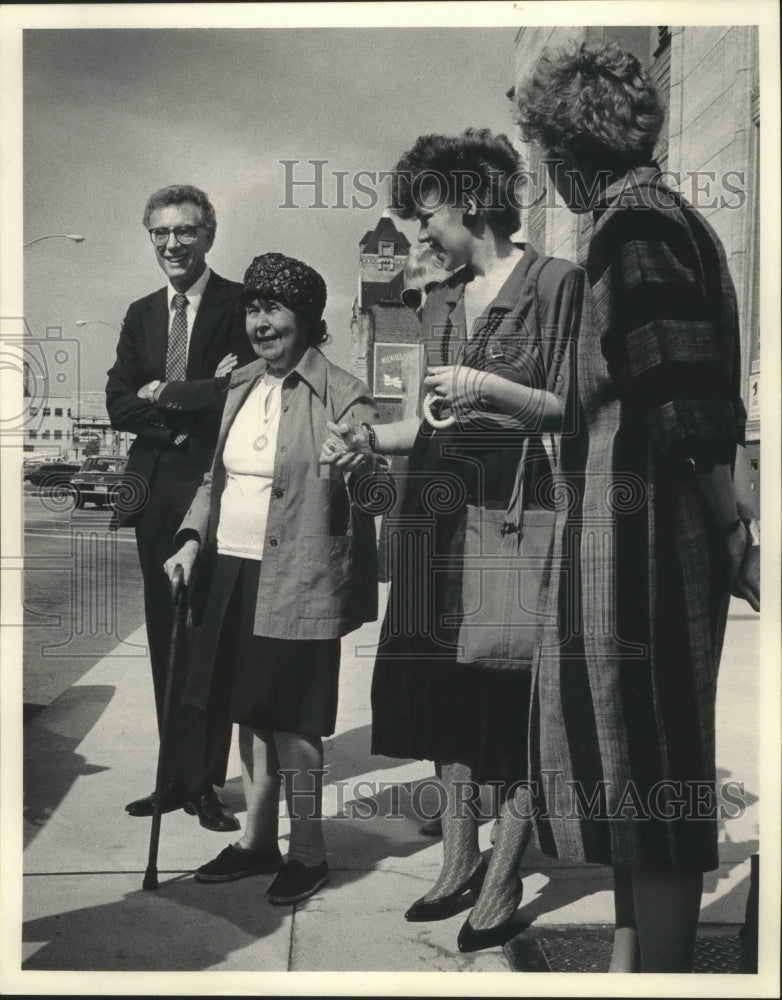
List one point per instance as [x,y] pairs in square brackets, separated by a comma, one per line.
[51,763]
[183,926]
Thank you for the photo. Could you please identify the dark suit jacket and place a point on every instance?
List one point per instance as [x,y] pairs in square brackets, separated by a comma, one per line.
[157,469]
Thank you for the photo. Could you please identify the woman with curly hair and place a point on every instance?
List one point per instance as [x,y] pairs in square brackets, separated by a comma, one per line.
[498,328]
[624,696]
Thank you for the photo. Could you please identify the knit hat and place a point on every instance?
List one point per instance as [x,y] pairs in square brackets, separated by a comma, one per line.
[288,281]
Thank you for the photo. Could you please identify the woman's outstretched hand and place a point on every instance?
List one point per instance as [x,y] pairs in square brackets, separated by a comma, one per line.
[226,365]
[185,558]
[346,447]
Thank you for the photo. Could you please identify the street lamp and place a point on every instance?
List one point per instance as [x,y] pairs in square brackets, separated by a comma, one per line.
[55,236]
[86,322]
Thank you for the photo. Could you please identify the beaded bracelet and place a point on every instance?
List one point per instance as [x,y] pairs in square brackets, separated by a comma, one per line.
[370,436]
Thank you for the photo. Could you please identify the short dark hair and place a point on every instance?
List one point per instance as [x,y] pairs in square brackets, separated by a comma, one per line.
[477,162]
[178,194]
[591,103]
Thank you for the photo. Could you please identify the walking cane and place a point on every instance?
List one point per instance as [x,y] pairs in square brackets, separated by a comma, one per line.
[179,600]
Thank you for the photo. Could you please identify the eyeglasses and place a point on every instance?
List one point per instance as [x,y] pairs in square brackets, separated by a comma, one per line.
[182,234]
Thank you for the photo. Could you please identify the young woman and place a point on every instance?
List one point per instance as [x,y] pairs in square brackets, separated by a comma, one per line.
[498,331]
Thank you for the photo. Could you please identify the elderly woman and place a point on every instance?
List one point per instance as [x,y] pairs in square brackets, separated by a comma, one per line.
[624,697]
[498,330]
[287,565]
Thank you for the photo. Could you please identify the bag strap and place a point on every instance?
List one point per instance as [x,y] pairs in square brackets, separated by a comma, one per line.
[515,513]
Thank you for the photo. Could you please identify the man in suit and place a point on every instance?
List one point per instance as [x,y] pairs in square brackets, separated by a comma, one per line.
[167,386]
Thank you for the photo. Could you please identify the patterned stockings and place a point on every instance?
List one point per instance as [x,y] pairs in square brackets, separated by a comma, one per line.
[461,855]
[502,889]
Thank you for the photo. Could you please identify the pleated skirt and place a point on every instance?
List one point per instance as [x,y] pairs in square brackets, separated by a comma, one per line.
[289,685]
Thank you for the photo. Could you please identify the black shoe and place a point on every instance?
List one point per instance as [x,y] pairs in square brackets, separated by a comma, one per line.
[469,939]
[432,828]
[446,906]
[174,797]
[212,813]
[239,862]
[296,882]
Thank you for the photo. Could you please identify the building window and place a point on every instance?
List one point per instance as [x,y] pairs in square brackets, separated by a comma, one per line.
[69,411]
[385,249]
[46,435]
[386,265]
[58,435]
[663,38]
[47,411]
[32,435]
[33,411]
[58,411]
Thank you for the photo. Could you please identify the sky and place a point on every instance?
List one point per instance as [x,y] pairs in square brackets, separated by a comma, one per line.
[112,115]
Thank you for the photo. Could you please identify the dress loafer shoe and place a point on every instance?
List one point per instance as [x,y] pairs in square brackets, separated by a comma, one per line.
[439,909]
[211,812]
[173,798]
[432,828]
[297,881]
[469,939]
[238,862]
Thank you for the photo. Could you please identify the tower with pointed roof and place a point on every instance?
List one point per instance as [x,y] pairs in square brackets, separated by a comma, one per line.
[385,334]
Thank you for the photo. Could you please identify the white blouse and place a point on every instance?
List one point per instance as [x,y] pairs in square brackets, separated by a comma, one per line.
[248,457]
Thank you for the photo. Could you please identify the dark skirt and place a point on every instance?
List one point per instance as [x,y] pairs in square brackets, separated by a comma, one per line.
[449,712]
[425,705]
[289,685]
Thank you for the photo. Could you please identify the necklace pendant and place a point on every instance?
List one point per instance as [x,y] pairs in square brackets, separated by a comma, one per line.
[260,442]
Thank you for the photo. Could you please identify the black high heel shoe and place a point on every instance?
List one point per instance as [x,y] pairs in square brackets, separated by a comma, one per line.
[470,939]
[439,909]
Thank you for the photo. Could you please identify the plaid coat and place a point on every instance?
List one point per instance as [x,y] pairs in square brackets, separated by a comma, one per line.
[622,742]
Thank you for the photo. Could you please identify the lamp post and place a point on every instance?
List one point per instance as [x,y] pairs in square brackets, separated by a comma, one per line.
[75,237]
[116,435]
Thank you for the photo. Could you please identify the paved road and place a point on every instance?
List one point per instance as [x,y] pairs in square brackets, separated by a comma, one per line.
[82,595]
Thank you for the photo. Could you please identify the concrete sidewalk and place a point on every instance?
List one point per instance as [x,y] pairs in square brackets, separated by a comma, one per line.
[95,748]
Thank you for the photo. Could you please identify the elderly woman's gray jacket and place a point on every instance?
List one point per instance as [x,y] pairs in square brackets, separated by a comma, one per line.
[318,577]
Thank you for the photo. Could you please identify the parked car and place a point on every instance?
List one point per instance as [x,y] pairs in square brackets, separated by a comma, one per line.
[98,479]
[31,465]
[49,475]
